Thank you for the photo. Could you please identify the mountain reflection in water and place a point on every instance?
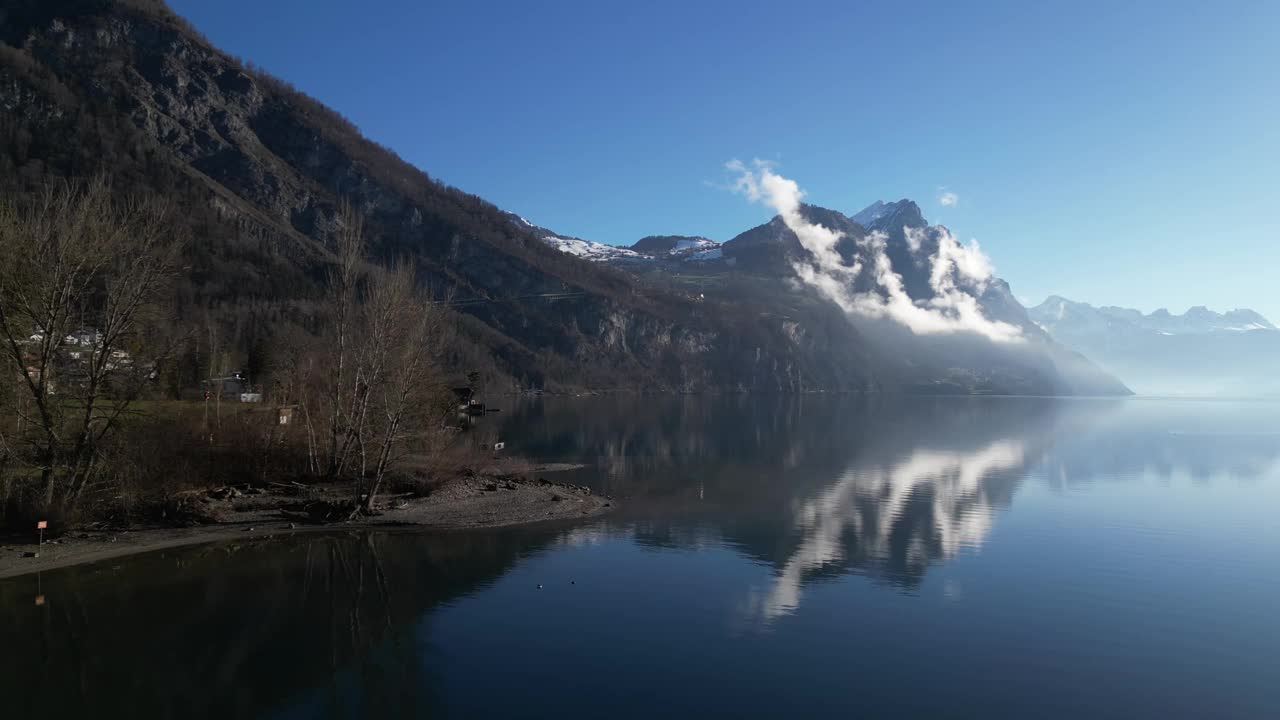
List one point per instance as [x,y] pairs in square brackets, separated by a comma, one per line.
[810,485]
[884,487]
[737,513]
[897,518]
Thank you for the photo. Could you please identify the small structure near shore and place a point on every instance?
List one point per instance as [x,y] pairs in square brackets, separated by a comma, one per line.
[468,403]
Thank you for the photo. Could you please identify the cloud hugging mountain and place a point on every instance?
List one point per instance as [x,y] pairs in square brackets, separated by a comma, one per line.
[917,296]
[957,274]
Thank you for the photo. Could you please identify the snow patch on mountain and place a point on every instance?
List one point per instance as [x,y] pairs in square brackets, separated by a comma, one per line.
[874,215]
[871,213]
[589,250]
[681,248]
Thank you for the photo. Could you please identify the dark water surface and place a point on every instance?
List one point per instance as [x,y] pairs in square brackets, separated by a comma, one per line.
[802,557]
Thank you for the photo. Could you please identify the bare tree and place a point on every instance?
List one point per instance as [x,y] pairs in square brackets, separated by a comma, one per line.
[80,276]
[391,376]
[380,316]
[412,386]
[344,281]
[373,372]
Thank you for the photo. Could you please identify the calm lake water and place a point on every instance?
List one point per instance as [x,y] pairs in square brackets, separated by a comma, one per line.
[801,557]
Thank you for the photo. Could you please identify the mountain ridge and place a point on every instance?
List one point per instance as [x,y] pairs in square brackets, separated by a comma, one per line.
[1056,309]
[258,170]
[1200,352]
[772,250]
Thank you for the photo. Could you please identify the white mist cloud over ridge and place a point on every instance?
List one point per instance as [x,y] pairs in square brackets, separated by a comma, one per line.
[955,269]
[948,199]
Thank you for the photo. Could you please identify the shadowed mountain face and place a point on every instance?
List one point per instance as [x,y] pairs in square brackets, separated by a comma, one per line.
[257,170]
[1200,352]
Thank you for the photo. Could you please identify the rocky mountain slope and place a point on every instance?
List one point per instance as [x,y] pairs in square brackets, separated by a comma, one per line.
[1200,352]
[257,170]
[760,264]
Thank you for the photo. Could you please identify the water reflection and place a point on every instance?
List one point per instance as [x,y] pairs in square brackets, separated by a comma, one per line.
[732,506]
[1200,441]
[822,487]
[897,519]
[312,626]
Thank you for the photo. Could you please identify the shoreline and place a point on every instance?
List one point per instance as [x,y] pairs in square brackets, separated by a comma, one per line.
[472,503]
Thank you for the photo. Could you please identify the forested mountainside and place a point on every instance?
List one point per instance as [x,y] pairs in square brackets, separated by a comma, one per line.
[258,170]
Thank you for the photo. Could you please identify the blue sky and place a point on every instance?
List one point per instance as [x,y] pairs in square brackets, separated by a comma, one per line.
[1117,155]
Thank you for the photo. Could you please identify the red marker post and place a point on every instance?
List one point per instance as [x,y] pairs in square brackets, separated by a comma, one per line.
[41,527]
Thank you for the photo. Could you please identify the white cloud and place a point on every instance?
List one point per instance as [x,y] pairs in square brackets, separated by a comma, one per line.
[958,273]
[948,199]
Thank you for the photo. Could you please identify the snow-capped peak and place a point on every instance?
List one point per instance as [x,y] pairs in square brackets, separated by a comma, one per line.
[879,215]
[872,213]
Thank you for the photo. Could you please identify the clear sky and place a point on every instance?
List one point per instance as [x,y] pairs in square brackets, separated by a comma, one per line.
[1113,152]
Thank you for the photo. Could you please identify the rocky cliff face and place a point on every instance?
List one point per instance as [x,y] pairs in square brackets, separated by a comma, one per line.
[258,158]
[913,253]
[258,170]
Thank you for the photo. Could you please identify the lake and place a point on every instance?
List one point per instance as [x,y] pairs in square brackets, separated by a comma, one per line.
[772,557]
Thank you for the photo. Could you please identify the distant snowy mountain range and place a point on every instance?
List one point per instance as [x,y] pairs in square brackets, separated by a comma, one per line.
[654,247]
[1200,352]
[1061,316]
